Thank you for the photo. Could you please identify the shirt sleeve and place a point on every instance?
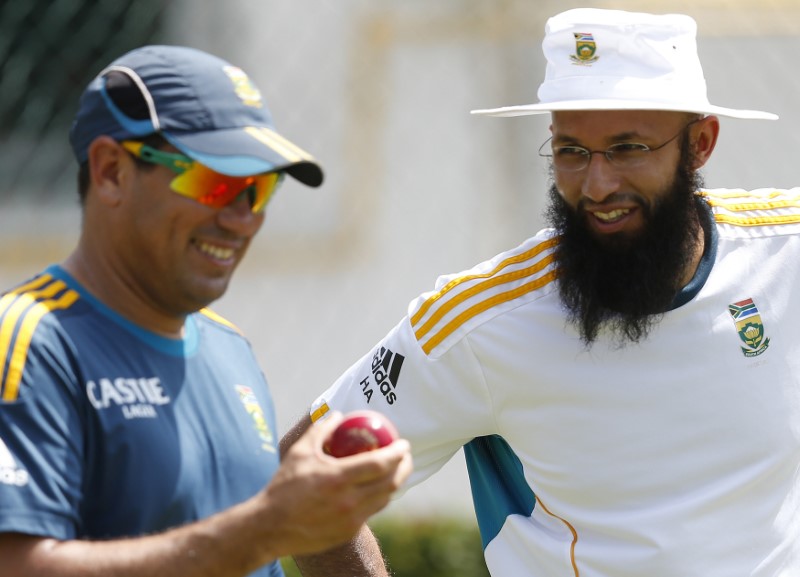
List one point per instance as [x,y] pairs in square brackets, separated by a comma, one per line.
[41,446]
[437,404]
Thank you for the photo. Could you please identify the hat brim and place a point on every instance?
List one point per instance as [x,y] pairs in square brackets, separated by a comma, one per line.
[582,105]
[248,151]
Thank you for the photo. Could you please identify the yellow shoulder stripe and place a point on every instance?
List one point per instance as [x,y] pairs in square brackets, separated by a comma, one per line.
[492,282]
[221,320]
[757,221]
[732,194]
[20,313]
[489,280]
[473,311]
[765,207]
[320,412]
[430,301]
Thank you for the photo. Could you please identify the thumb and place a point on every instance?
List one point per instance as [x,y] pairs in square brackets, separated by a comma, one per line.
[320,430]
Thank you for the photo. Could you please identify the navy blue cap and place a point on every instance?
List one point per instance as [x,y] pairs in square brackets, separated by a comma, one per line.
[204,106]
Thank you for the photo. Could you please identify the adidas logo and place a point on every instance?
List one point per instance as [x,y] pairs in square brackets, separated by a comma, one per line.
[386,367]
[9,473]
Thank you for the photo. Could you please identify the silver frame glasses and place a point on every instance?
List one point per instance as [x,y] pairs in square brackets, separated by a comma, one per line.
[572,158]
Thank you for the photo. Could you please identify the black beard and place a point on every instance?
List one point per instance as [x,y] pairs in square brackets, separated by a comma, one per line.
[624,284]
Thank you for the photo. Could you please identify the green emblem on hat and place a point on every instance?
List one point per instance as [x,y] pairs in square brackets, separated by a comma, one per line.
[585,48]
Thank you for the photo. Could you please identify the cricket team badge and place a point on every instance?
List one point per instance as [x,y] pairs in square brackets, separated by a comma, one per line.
[585,49]
[749,326]
[253,408]
[243,86]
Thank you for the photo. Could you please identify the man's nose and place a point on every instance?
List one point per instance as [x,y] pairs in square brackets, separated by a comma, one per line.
[600,178]
[238,217]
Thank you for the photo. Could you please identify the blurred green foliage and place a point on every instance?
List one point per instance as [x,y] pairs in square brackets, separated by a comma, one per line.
[426,548]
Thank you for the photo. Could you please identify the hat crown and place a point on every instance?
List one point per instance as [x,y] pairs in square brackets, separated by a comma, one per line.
[593,53]
[185,90]
[204,106]
[600,59]
[196,91]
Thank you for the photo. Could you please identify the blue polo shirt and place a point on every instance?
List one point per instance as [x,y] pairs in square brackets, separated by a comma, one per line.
[108,430]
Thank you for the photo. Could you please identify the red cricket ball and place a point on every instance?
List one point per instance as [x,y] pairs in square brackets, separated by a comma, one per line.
[360,431]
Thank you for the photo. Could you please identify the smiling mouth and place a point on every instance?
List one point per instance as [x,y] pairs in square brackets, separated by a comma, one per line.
[216,252]
[611,216]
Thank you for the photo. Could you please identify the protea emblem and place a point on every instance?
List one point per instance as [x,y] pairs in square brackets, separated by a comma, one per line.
[585,49]
[751,330]
[253,408]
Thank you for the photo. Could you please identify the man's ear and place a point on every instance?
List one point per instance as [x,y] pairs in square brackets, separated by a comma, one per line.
[703,139]
[109,167]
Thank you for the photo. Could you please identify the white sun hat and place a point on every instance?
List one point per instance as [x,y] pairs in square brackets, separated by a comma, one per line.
[616,60]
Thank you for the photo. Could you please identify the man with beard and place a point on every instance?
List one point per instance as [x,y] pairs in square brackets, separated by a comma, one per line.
[620,275]
[626,383]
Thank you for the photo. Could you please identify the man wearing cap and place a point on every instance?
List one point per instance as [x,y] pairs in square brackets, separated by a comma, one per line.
[137,432]
[626,383]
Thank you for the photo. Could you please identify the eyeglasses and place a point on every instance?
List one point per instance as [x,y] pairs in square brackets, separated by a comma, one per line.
[200,183]
[624,155]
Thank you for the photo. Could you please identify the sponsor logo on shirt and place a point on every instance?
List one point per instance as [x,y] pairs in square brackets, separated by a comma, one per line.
[384,374]
[749,327]
[136,397]
[10,474]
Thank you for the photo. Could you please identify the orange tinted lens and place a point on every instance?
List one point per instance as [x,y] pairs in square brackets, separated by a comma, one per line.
[265,186]
[211,188]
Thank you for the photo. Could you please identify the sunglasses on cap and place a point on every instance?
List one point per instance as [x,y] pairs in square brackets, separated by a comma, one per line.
[200,183]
